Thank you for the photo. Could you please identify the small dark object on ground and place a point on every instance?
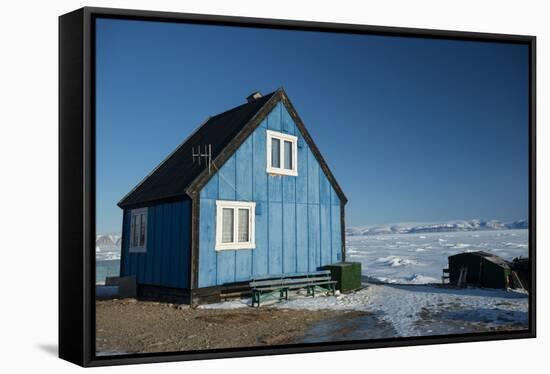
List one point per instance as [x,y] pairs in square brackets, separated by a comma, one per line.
[346,274]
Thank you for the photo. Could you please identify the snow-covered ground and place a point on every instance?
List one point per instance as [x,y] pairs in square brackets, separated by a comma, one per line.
[420,258]
[399,270]
[401,298]
[416,310]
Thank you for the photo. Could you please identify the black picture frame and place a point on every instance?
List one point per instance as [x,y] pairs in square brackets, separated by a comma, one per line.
[77,185]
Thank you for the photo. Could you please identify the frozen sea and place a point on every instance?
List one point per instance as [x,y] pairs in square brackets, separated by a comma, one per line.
[106,268]
[420,258]
[402,306]
[395,258]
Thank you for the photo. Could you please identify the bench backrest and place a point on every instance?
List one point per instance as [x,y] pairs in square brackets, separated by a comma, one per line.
[289,279]
[292,275]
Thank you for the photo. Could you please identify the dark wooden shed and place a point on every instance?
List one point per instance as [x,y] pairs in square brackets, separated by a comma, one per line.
[480,268]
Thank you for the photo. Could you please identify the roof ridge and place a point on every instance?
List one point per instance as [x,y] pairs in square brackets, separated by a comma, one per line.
[243,105]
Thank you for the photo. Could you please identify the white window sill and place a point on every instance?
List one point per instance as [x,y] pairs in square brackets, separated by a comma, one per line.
[235,246]
[291,173]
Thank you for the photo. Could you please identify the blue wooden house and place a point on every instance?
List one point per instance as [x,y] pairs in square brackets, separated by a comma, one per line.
[248,194]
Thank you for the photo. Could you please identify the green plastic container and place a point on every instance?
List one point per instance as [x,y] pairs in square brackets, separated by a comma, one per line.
[347,274]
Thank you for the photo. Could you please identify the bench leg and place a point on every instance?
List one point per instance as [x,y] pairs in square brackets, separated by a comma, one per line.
[258,298]
[255,298]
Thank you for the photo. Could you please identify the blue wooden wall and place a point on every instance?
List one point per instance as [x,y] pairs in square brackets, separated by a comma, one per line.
[297,218]
[166,262]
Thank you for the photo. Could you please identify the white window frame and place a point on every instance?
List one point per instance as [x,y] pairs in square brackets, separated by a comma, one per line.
[282,138]
[142,248]
[235,205]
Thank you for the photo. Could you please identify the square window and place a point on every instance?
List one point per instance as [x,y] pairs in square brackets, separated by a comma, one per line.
[235,225]
[282,153]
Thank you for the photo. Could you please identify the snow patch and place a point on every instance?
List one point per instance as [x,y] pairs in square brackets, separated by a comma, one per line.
[394,261]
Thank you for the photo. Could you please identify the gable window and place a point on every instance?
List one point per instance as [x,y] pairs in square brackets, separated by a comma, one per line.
[235,225]
[282,153]
[138,230]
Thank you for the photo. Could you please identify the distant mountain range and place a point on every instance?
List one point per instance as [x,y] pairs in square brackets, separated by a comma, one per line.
[110,243]
[107,240]
[107,247]
[418,228]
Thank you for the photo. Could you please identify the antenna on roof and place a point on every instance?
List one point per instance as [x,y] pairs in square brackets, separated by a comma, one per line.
[206,154]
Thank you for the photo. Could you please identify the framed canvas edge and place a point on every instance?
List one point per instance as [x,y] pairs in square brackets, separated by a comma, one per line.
[81,282]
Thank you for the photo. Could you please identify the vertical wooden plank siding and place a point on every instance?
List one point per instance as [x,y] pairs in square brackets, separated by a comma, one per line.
[244,171]
[156,251]
[336,234]
[325,233]
[275,261]
[289,189]
[289,238]
[301,178]
[210,191]
[226,267]
[259,254]
[275,187]
[166,261]
[313,236]
[302,243]
[207,240]
[324,190]
[259,159]
[297,221]
[313,171]
[150,239]
[227,176]
[287,124]
[274,118]
[243,265]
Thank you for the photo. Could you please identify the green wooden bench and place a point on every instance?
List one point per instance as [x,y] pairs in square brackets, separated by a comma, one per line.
[277,286]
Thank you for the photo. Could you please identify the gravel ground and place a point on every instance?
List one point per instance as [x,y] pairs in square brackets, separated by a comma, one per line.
[131,326]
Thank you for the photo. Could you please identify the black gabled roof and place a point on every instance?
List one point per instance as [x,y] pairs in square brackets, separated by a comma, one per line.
[172,177]
[178,177]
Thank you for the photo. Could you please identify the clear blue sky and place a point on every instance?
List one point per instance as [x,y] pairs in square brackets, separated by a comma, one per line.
[413,129]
